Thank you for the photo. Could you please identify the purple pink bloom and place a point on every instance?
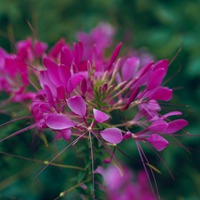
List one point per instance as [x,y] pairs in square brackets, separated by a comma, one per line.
[81,87]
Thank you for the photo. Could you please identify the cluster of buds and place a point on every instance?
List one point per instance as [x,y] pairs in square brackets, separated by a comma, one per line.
[82,93]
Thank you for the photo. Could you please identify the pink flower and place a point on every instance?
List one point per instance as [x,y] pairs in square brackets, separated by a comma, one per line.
[123,186]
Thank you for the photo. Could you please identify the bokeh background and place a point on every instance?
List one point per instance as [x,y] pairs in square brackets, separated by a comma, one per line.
[164,29]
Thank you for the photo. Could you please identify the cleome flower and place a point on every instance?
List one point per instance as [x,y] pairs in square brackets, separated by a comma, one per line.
[85,94]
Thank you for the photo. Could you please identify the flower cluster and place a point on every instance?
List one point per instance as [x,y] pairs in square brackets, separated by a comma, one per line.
[81,92]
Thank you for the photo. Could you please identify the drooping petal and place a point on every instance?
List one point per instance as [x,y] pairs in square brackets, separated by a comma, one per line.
[58,122]
[162,93]
[100,116]
[175,126]
[158,142]
[112,135]
[77,105]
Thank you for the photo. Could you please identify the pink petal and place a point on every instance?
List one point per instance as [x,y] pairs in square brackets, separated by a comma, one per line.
[83,86]
[45,80]
[156,79]
[171,114]
[129,68]
[175,126]
[127,135]
[77,105]
[114,56]
[158,126]
[78,52]
[58,122]
[161,64]
[49,95]
[145,69]
[112,135]
[66,134]
[131,98]
[100,116]
[52,70]
[39,48]
[65,74]
[74,81]
[60,92]
[66,57]
[162,93]
[158,142]
[55,51]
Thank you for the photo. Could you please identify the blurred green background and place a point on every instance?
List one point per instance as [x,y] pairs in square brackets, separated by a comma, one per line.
[161,27]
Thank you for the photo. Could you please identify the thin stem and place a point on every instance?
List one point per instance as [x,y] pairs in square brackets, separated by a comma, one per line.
[16,119]
[18,132]
[92,157]
[45,162]
[62,194]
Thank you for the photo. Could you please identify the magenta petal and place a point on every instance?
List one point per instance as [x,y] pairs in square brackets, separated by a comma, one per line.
[66,134]
[112,135]
[58,122]
[60,92]
[83,86]
[66,57]
[171,114]
[52,70]
[127,135]
[77,105]
[161,64]
[131,98]
[158,126]
[49,95]
[175,126]
[65,74]
[39,48]
[74,81]
[55,51]
[158,142]
[156,79]
[162,93]
[114,56]
[129,68]
[100,116]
